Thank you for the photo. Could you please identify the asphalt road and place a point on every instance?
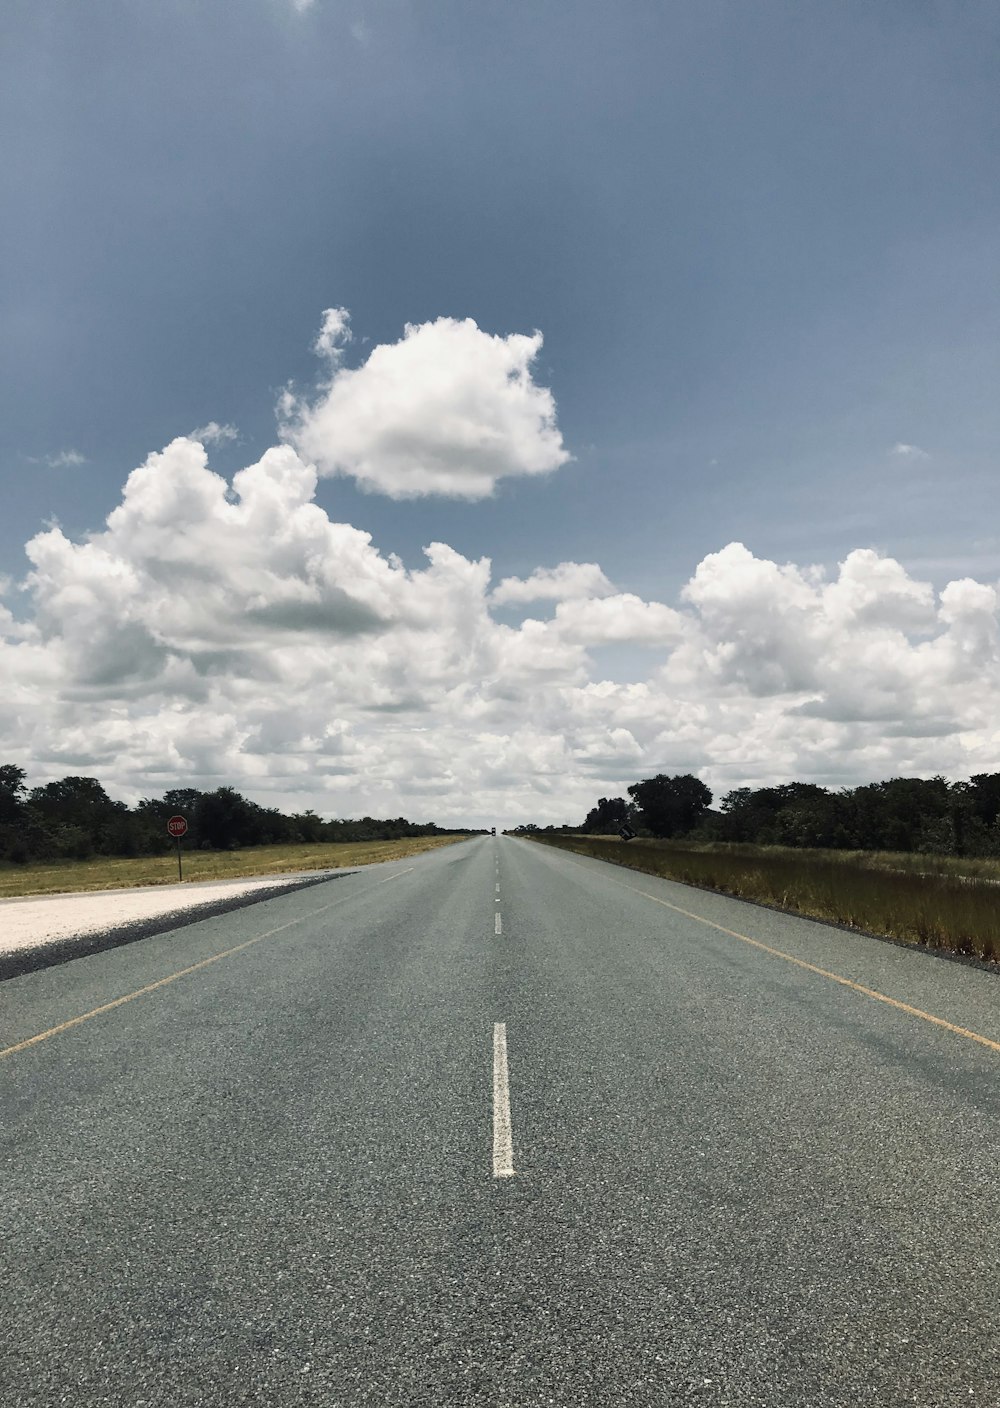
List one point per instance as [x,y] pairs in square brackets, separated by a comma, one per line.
[284,1177]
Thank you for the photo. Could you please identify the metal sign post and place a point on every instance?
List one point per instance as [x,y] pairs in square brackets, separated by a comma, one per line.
[176,827]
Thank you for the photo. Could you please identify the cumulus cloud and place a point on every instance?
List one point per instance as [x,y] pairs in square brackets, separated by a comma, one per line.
[876,590]
[620,618]
[568,581]
[230,631]
[449,410]
[908,452]
[194,568]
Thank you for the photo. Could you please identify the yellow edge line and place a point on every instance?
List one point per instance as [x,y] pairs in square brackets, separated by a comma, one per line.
[873,993]
[181,973]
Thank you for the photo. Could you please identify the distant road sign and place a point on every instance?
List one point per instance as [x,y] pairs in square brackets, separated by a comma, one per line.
[177,826]
[626,833]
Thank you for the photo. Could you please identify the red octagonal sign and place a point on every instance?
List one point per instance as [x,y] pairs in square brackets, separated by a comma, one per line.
[177,826]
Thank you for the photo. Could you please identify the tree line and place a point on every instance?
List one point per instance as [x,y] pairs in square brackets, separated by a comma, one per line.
[901,814]
[74,818]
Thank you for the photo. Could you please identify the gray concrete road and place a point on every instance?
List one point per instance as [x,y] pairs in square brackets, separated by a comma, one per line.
[739,1176]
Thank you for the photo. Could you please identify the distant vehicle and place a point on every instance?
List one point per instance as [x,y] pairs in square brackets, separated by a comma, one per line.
[493,831]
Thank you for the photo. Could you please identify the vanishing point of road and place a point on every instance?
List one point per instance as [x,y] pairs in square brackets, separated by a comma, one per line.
[498,1125]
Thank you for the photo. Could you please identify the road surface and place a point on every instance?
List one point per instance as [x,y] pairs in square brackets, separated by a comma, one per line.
[586,1138]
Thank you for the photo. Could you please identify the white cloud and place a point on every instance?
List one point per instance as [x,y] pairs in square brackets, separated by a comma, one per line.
[618,619]
[234,633]
[334,334]
[65,459]
[876,590]
[219,631]
[215,434]
[449,409]
[909,452]
[567,581]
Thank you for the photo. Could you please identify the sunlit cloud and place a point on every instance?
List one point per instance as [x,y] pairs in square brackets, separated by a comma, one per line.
[567,581]
[447,410]
[229,629]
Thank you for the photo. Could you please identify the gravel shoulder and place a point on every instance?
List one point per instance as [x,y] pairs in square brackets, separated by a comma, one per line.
[39,931]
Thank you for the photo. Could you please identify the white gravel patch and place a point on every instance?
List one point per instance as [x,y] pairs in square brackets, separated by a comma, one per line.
[40,919]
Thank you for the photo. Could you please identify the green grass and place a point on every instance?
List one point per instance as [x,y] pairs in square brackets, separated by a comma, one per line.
[937,901]
[102,873]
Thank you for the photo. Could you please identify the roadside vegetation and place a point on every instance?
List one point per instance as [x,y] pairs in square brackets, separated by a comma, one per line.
[108,873]
[929,815]
[70,835]
[75,819]
[914,859]
[882,893]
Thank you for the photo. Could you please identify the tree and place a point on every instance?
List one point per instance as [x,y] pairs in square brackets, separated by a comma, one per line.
[310,827]
[984,791]
[225,819]
[72,801]
[902,814]
[815,817]
[739,818]
[12,792]
[793,814]
[610,815]
[670,806]
[75,816]
[15,819]
[181,801]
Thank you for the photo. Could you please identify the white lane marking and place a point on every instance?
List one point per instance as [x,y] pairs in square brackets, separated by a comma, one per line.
[496,927]
[498,889]
[503,1143]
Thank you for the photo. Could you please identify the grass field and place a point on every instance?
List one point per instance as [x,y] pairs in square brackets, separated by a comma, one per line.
[938,901]
[48,878]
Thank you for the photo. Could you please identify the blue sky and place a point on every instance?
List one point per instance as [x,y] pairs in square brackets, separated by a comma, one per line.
[759,240]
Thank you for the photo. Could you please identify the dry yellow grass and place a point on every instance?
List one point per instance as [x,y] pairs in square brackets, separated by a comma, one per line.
[46,878]
[939,905]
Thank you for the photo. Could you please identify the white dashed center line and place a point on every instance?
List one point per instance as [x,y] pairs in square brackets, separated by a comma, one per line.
[496,927]
[503,1144]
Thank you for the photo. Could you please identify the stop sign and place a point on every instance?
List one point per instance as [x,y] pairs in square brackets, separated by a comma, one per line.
[177,826]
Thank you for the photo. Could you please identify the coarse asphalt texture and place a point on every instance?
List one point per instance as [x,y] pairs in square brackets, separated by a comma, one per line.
[270,1180]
